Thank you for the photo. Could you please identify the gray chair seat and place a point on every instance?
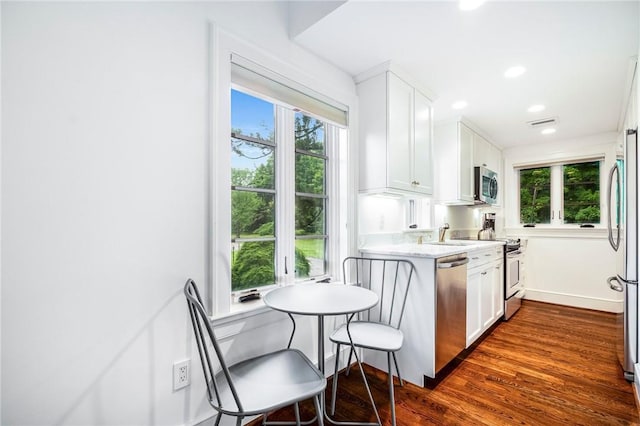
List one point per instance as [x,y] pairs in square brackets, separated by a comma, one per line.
[369,335]
[270,381]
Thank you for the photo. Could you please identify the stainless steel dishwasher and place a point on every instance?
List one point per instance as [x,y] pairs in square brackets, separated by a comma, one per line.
[451,307]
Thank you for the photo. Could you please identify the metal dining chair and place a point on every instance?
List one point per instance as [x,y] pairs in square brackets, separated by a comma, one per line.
[379,327]
[257,385]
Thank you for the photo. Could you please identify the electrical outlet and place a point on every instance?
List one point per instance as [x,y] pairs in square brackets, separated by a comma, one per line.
[181,374]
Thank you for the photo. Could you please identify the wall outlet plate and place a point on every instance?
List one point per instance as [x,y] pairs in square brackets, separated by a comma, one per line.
[181,374]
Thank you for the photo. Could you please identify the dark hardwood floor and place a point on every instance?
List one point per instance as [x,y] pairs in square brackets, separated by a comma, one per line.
[548,365]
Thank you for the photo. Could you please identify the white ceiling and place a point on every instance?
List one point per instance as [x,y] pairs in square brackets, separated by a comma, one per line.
[577,56]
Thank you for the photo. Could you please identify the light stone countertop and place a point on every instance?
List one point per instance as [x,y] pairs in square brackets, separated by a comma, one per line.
[431,249]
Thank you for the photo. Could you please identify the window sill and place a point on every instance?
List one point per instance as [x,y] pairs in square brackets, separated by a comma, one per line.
[242,310]
[548,231]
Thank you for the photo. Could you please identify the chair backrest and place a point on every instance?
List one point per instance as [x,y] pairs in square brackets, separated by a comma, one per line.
[206,338]
[390,279]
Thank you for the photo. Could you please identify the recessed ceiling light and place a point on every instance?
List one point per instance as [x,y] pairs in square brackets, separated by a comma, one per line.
[516,71]
[459,104]
[470,4]
[536,108]
[548,131]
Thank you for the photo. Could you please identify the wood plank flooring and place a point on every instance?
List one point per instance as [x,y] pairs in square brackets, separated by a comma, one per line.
[548,365]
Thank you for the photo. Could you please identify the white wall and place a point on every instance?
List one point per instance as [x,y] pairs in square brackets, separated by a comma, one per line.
[104,203]
[564,266]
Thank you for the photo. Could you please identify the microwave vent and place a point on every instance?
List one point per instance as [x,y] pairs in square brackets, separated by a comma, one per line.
[543,122]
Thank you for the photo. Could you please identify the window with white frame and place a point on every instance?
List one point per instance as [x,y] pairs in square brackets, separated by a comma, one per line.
[281,182]
[558,194]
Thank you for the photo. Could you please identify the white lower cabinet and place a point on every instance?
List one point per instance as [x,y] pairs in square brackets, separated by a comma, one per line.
[474,323]
[498,286]
[485,290]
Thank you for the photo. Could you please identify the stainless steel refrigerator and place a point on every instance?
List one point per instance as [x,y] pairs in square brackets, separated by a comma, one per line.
[622,202]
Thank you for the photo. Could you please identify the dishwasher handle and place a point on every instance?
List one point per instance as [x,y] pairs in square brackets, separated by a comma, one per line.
[446,265]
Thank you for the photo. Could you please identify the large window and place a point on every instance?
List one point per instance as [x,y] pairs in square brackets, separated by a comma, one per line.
[561,194]
[278,192]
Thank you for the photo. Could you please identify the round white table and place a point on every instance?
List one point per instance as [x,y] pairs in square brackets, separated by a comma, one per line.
[322,299]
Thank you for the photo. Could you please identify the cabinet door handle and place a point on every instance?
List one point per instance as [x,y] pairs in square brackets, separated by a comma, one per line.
[484,273]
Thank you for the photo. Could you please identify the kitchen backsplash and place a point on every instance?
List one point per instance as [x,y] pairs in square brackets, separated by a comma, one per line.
[385,219]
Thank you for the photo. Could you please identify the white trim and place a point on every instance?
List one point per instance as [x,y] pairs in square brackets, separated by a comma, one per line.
[233,325]
[223,45]
[543,231]
[607,305]
[570,151]
[219,237]
[285,195]
[559,161]
[390,66]
[334,177]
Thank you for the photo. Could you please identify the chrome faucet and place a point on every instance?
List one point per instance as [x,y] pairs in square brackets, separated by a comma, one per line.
[441,231]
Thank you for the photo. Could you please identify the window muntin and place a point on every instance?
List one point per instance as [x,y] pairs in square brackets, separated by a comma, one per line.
[559,194]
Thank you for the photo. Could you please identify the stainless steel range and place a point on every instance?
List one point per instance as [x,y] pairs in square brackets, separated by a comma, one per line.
[514,287]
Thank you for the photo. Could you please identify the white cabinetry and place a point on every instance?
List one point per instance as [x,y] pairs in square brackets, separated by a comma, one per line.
[485,291]
[458,149]
[453,148]
[395,136]
[487,155]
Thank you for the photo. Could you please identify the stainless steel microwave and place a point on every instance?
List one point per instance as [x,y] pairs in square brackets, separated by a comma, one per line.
[486,185]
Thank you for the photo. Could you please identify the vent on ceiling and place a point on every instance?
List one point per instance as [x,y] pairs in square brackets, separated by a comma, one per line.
[551,121]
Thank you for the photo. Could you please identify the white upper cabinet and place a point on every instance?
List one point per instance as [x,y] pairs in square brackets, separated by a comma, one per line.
[453,151]
[395,136]
[486,154]
[458,149]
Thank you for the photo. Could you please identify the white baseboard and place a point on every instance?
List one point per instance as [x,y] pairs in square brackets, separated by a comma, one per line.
[636,387]
[598,304]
